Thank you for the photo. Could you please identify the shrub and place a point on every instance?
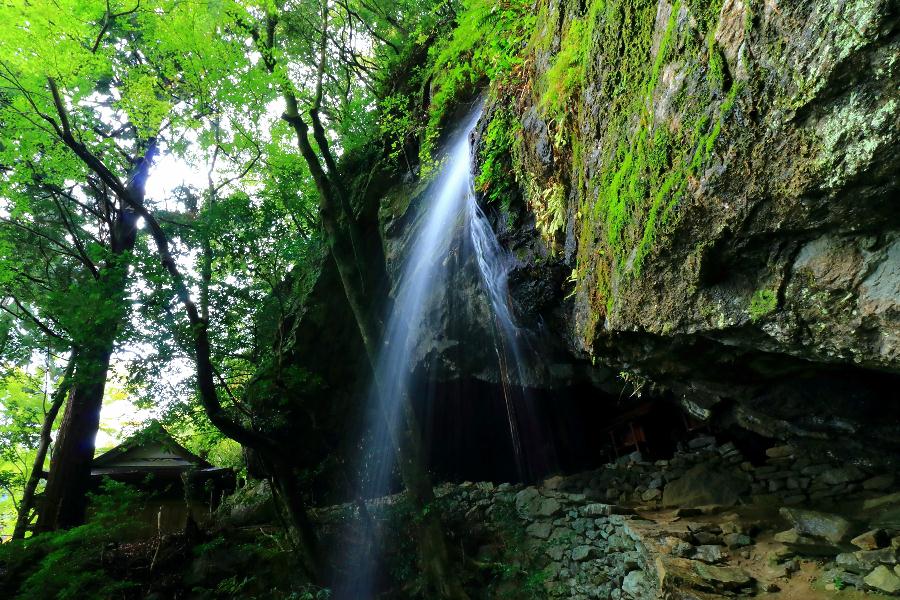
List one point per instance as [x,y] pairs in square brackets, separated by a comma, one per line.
[70,564]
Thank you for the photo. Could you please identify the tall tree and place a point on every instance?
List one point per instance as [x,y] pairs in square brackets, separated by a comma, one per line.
[85,119]
[169,82]
[65,498]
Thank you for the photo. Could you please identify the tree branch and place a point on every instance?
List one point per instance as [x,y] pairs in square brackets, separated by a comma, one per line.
[34,319]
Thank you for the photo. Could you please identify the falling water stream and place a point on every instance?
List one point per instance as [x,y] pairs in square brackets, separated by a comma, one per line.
[493,265]
[451,210]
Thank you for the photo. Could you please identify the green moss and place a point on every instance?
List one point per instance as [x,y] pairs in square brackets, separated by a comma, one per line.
[762,303]
[633,195]
[566,75]
[496,179]
[662,53]
[642,168]
[486,45]
[706,13]
[716,65]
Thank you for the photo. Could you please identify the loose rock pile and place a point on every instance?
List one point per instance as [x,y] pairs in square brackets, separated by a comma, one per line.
[705,524]
[862,552]
[702,472]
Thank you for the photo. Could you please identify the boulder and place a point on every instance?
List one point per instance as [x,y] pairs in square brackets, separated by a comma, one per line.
[548,507]
[871,540]
[581,553]
[702,442]
[710,554]
[703,485]
[881,502]
[252,504]
[808,545]
[736,540]
[554,483]
[846,577]
[887,519]
[864,561]
[848,561]
[651,495]
[780,452]
[784,254]
[883,579]
[728,578]
[540,530]
[634,583]
[878,483]
[596,510]
[833,528]
[839,475]
[528,501]
[885,556]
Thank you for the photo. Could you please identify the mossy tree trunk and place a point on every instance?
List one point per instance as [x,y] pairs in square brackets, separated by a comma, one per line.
[65,499]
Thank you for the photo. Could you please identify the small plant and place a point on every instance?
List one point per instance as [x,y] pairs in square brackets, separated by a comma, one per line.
[210,546]
[496,178]
[312,593]
[234,585]
[839,583]
[516,571]
[762,303]
[486,45]
[637,382]
[397,124]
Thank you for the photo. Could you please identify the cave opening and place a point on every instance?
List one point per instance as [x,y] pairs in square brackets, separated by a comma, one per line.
[562,430]
[580,427]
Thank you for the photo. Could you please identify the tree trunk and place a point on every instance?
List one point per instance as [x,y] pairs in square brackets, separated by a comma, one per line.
[433,554]
[269,449]
[292,497]
[23,517]
[65,498]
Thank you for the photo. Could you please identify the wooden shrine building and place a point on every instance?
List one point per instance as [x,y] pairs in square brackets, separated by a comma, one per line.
[177,482]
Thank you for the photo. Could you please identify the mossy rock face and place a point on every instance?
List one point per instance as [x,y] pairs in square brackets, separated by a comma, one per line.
[703,196]
[730,176]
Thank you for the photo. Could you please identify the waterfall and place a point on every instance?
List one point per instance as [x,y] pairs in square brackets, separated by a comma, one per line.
[423,268]
[494,264]
[450,210]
